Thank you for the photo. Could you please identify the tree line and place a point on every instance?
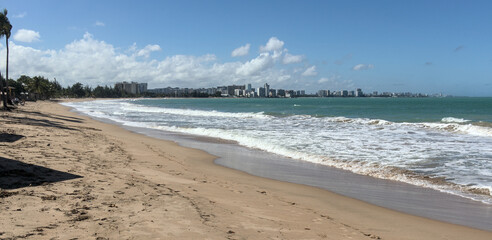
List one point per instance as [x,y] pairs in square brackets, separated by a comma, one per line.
[41,88]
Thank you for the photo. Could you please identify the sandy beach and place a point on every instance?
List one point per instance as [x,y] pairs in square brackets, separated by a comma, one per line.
[66,176]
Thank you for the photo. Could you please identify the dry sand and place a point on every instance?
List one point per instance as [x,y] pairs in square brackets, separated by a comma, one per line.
[66,176]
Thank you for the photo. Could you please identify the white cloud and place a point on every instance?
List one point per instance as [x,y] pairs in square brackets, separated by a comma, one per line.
[289,58]
[277,54]
[241,51]
[360,67]
[273,44]
[133,47]
[335,82]
[25,35]
[20,15]
[311,71]
[284,78]
[94,62]
[100,24]
[256,65]
[147,50]
[332,79]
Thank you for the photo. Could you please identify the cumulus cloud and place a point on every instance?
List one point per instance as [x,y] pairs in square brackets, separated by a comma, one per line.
[241,51]
[311,71]
[94,62]
[99,24]
[256,65]
[145,52]
[288,58]
[360,67]
[273,44]
[25,35]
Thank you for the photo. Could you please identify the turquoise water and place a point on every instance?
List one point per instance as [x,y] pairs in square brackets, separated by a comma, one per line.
[390,109]
[439,143]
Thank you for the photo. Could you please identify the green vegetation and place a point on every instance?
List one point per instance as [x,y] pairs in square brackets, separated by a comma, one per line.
[40,88]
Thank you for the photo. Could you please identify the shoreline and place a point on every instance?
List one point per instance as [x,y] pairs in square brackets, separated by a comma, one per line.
[378,159]
[170,191]
[394,195]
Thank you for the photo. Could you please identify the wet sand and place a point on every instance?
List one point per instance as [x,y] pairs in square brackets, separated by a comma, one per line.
[68,176]
[395,195]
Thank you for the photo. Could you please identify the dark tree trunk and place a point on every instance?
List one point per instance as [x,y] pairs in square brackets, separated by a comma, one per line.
[4,99]
[7,71]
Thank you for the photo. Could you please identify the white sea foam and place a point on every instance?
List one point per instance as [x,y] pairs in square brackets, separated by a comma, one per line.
[360,167]
[454,120]
[460,152]
[189,112]
[460,128]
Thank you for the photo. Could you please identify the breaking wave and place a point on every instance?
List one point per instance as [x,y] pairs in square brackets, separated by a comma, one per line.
[452,156]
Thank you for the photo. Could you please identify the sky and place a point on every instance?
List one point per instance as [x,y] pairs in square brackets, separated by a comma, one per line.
[415,46]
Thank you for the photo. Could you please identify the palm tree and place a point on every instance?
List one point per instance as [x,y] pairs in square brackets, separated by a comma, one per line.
[1,92]
[5,30]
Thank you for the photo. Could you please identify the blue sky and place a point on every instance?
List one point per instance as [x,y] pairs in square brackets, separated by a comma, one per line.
[417,46]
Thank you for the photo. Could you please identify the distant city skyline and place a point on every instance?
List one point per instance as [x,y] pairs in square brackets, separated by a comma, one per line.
[248,91]
[386,46]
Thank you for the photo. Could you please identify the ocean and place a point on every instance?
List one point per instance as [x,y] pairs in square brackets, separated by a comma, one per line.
[439,143]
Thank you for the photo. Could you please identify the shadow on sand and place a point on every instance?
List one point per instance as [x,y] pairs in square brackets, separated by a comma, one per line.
[9,137]
[38,122]
[16,174]
[53,116]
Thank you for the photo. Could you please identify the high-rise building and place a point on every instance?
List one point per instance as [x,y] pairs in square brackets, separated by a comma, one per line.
[142,87]
[260,92]
[248,88]
[131,87]
[267,90]
[289,94]
[230,89]
[358,93]
[238,92]
[280,93]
